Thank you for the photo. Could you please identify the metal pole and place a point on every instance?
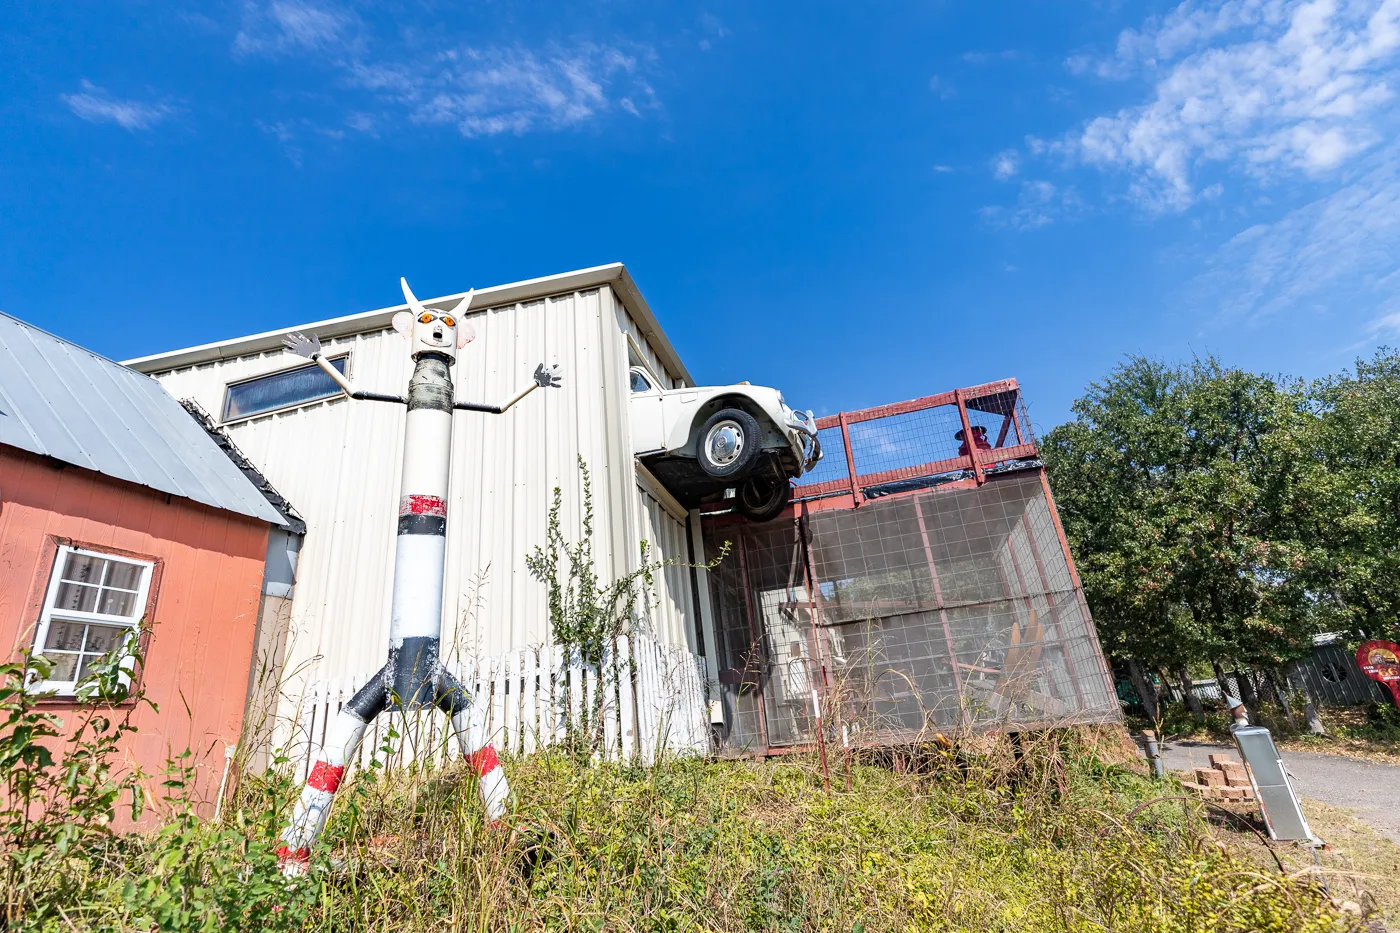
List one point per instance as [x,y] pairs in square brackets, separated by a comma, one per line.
[812,610]
[850,460]
[1154,754]
[970,441]
[943,616]
[755,638]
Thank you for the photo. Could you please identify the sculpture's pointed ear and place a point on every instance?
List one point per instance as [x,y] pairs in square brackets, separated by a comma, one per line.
[413,303]
[403,322]
[465,332]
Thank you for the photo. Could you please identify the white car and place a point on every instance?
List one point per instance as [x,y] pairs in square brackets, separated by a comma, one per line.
[717,442]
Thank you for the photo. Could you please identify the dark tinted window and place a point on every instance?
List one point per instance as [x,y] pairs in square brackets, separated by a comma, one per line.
[279,390]
[639,382]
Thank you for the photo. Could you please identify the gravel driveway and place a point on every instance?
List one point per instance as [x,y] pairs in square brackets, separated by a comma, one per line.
[1372,791]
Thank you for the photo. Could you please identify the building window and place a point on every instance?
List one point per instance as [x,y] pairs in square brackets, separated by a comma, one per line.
[93,601]
[281,390]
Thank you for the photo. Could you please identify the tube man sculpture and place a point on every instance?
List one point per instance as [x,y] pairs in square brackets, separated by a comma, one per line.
[414,677]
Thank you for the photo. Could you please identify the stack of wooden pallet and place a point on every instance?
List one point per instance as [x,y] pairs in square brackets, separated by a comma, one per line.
[1225,779]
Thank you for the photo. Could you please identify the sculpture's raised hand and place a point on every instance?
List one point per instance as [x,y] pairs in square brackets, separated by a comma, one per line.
[547,377]
[302,345]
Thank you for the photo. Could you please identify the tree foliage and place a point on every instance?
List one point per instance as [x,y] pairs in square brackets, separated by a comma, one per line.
[1217,513]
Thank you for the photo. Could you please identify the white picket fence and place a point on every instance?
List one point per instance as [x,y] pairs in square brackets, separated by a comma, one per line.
[653,702]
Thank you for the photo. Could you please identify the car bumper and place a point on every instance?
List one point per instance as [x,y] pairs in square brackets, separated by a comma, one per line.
[802,432]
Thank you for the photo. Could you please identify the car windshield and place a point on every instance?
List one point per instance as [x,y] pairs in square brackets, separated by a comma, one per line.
[639,382]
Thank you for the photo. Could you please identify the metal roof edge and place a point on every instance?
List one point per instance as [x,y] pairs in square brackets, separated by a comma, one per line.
[641,312]
[612,274]
[292,520]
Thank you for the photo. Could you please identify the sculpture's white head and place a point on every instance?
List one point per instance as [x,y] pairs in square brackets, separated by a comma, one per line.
[430,331]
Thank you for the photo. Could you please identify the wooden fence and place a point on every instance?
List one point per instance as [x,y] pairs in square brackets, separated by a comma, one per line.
[653,703]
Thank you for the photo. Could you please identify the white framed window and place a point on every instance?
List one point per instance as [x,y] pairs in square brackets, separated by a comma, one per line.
[93,600]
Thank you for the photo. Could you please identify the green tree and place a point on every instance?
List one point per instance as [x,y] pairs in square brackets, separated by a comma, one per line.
[1355,572]
[1184,491]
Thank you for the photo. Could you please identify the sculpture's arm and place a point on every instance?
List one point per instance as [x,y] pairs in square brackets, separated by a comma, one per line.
[310,347]
[546,377]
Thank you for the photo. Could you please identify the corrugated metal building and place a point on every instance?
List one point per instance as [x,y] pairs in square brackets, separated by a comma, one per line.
[339,460]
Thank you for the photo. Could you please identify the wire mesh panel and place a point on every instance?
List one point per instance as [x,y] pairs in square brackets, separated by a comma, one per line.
[832,465]
[906,439]
[935,610]
[923,441]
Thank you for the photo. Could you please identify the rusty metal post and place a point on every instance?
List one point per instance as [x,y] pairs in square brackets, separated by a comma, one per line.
[968,438]
[943,616]
[818,699]
[850,460]
[755,638]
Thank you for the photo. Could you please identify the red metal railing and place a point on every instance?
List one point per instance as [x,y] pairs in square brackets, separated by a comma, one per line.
[916,439]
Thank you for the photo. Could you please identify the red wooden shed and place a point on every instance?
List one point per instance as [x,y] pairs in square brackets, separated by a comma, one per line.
[119,512]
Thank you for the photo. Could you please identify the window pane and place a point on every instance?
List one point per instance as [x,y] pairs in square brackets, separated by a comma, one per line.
[76,597]
[639,382]
[65,636]
[64,666]
[83,568]
[123,575]
[116,602]
[88,661]
[304,384]
[103,638]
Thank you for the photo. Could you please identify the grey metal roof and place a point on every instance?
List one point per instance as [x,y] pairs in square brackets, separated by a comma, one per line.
[65,402]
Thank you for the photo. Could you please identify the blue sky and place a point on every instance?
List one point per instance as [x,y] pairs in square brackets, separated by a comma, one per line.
[857,203]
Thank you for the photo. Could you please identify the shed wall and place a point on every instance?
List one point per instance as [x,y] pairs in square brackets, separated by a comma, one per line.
[205,597]
[339,462]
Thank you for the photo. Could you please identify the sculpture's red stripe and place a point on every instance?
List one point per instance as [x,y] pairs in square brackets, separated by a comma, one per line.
[422,505]
[484,760]
[286,854]
[326,776]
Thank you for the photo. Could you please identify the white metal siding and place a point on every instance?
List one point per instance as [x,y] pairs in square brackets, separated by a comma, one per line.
[338,463]
[670,603]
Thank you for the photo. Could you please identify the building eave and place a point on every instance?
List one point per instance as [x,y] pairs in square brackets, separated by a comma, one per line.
[614,275]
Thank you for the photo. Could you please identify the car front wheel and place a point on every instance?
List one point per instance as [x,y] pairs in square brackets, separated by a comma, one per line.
[729,443]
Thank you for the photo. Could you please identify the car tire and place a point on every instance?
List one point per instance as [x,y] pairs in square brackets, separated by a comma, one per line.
[762,496]
[729,444]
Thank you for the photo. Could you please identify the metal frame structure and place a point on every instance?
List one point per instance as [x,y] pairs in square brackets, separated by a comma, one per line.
[1023,638]
[1001,398]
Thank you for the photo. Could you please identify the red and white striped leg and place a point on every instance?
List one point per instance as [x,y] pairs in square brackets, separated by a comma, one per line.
[470,727]
[342,739]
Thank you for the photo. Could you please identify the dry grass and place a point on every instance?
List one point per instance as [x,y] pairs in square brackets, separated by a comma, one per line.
[1360,864]
[1026,837]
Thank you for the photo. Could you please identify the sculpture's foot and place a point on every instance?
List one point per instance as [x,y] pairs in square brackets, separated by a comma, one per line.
[293,863]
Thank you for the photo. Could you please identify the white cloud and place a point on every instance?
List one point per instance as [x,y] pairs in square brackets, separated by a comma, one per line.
[482,91]
[95,105]
[1038,205]
[293,25]
[942,88]
[982,58]
[486,92]
[1339,252]
[1006,164]
[1263,87]
[713,30]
